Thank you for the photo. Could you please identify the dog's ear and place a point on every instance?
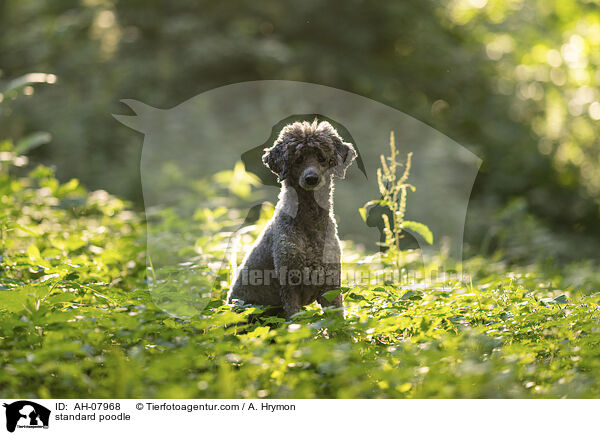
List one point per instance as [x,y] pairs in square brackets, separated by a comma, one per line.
[275,158]
[344,155]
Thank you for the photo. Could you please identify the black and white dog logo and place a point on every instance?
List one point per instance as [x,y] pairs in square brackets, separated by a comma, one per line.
[26,414]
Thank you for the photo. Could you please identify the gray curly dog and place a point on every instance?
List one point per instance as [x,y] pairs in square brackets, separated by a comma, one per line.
[297,257]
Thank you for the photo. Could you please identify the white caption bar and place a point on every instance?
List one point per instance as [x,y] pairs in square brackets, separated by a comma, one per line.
[257,416]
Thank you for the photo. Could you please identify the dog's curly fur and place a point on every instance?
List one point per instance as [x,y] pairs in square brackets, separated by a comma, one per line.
[297,257]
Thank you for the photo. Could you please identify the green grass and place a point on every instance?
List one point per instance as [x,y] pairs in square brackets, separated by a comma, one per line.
[77,320]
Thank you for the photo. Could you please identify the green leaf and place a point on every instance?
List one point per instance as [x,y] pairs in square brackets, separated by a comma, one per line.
[18,299]
[29,79]
[34,253]
[61,298]
[363,213]
[15,225]
[363,209]
[331,294]
[562,299]
[32,141]
[356,297]
[420,229]
[412,295]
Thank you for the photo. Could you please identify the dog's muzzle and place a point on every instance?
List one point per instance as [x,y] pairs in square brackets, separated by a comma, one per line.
[310,179]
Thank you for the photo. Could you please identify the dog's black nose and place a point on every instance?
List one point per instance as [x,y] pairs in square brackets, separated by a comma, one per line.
[312,180]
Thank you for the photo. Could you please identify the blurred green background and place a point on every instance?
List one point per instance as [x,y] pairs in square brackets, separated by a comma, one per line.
[515,81]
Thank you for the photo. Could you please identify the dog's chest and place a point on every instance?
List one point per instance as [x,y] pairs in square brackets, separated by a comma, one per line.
[318,246]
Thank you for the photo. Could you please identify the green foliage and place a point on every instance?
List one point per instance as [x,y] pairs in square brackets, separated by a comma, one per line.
[77,320]
[393,189]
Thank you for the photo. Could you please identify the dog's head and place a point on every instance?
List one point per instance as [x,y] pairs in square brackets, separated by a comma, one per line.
[308,155]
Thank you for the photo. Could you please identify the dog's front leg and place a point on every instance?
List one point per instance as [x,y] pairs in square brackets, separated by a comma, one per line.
[290,299]
[333,278]
[335,303]
[289,276]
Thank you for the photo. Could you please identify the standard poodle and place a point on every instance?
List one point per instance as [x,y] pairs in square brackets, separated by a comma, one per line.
[297,258]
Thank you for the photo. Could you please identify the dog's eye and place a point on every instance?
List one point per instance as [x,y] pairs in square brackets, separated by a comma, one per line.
[299,159]
[320,158]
